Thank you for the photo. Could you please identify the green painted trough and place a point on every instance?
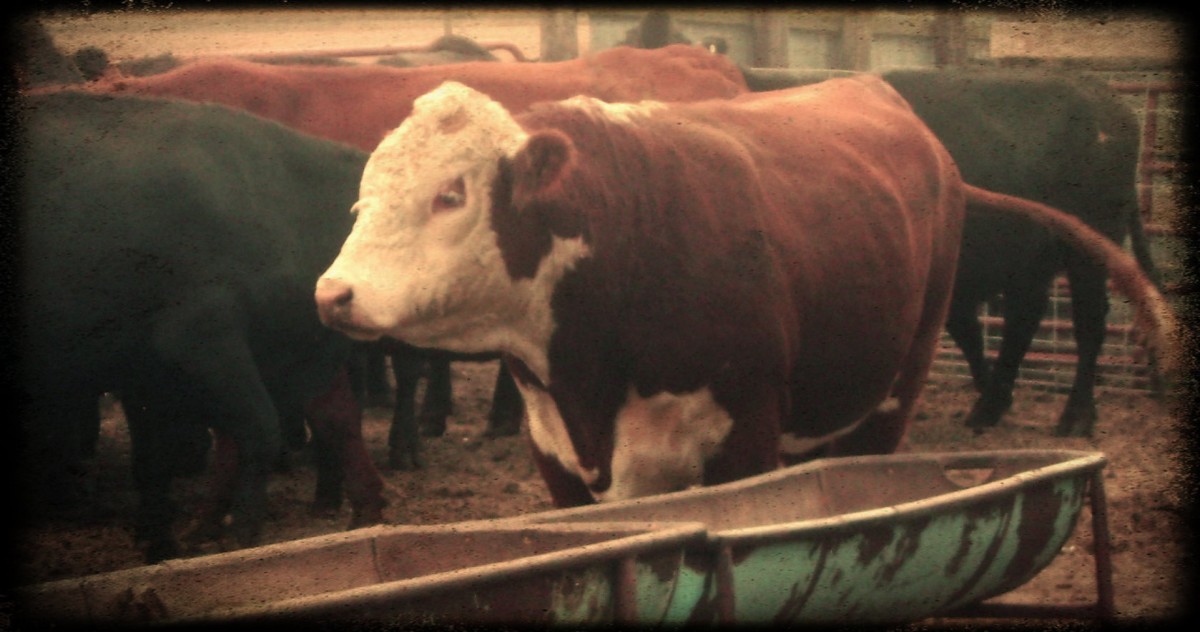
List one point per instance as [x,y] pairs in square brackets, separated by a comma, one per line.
[865,539]
[876,539]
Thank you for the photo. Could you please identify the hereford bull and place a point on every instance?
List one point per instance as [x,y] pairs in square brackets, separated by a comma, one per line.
[674,286]
[168,254]
[360,104]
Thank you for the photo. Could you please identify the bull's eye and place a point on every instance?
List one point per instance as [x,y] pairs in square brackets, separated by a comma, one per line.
[451,196]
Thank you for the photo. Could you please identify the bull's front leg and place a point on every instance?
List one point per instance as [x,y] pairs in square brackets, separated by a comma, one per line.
[566,489]
[753,444]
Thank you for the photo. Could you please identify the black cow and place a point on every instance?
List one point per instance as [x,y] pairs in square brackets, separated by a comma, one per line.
[1054,138]
[168,251]
[36,60]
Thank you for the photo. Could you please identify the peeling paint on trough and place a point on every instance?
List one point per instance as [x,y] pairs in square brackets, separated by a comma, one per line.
[869,539]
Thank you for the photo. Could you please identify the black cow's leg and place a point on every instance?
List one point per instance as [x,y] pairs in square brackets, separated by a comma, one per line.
[1089,309]
[508,409]
[206,339]
[962,324]
[404,442]
[150,463]
[1024,305]
[368,375]
[438,398]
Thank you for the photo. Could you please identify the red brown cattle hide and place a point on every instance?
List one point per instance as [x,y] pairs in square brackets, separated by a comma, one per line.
[359,104]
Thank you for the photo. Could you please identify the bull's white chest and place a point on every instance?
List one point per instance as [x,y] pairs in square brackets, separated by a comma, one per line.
[660,443]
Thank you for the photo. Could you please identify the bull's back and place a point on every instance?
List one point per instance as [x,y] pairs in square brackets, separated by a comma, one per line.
[866,208]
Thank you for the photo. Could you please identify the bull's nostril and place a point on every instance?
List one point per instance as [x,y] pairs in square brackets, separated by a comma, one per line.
[334,294]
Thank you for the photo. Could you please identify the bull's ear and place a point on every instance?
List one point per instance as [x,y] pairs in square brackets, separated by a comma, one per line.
[542,162]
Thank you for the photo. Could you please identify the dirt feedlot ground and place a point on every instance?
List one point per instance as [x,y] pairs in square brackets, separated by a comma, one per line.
[469,477]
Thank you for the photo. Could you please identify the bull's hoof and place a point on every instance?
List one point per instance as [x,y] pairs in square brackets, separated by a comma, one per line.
[987,411]
[502,427]
[404,460]
[1076,423]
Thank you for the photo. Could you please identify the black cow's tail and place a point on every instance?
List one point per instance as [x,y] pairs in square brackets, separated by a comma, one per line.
[1154,316]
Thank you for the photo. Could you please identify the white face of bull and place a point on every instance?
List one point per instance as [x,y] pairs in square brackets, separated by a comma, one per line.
[422,263]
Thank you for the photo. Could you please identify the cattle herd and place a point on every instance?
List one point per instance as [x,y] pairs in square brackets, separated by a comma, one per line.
[679,262]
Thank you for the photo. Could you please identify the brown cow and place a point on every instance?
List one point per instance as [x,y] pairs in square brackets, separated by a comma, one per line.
[359,104]
[674,285]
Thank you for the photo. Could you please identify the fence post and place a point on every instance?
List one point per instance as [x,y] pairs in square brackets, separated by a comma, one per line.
[770,39]
[855,50]
[949,39]
[560,35]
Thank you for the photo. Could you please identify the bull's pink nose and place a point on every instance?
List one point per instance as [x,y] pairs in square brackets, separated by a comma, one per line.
[333,298]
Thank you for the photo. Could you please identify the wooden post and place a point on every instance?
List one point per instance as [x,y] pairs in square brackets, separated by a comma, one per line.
[855,50]
[770,39]
[560,36]
[949,39]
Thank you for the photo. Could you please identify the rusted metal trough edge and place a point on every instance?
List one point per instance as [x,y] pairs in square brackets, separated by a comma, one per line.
[623,545]
[621,549]
[1011,484]
[999,486]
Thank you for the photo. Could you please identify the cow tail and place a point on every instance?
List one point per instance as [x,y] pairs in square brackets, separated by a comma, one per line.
[1152,313]
[1141,248]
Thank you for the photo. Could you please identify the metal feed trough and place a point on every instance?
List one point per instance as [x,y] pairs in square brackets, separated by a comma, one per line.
[480,571]
[864,539]
[878,539]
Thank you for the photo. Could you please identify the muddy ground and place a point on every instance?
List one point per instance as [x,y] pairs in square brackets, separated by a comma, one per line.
[470,477]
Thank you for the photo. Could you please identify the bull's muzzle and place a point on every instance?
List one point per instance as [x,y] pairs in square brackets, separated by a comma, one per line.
[334,301]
